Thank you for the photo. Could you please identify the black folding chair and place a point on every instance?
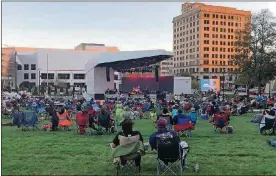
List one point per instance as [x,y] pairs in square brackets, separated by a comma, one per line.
[169,157]
[269,128]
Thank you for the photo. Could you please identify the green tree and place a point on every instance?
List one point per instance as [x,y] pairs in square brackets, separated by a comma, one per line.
[195,84]
[35,90]
[255,47]
[16,88]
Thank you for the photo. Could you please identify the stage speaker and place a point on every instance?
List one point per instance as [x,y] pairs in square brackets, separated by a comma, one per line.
[156,73]
[99,97]
[160,96]
[107,74]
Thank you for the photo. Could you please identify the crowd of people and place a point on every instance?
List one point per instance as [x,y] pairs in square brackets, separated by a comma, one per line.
[169,117]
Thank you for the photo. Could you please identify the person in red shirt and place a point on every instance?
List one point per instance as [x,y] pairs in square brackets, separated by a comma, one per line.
[237,100]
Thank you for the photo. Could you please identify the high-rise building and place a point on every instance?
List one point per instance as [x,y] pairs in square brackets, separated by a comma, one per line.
[203,40]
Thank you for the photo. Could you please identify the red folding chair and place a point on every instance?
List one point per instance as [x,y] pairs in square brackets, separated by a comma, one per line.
[221,120]
[186,129]
[82,122]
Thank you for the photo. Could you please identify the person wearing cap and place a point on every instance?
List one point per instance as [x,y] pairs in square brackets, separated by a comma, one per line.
[161,131]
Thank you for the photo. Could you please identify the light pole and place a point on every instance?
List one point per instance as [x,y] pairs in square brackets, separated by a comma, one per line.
[223,78]
[38,81]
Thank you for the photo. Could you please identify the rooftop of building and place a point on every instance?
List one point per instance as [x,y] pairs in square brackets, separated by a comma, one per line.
[213,9]
[34,49]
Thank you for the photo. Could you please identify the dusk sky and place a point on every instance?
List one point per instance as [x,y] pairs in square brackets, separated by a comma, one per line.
[127,25]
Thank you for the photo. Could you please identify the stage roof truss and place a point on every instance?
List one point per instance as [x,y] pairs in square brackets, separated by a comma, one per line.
[135,63]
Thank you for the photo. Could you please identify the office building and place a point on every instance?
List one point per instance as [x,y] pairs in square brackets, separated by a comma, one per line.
[203,40]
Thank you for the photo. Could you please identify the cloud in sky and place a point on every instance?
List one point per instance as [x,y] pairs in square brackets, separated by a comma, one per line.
[129,26]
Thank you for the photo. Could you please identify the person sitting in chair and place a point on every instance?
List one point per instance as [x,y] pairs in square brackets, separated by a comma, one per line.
[164,134]
[161,131]
[168,117]
[105,120]
[63,118]
[181,118]
[269,115]
[127,131]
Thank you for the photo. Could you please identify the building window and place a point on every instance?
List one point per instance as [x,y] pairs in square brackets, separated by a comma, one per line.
[206,21]
[43,75]
[63,76]
[205,77]
[33,67]
[19,67]
[26,75]
[79,84]
[26,67]
[79,76]
[33,76]
[206,42]
[206,15]
[51,75]
[206,28]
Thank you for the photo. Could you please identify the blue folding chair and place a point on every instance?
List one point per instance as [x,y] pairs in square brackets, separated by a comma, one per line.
[17,119]
[29,120]
[69,106]
[41,110]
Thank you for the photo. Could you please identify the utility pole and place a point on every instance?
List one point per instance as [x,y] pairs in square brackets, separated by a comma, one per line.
[15,69]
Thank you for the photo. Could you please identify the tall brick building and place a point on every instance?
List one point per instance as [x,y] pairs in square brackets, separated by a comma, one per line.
[203,40]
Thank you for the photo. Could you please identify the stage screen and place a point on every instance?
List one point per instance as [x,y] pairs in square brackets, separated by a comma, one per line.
[210,84]
[165,83]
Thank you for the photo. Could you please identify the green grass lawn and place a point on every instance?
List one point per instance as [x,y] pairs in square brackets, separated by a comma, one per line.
[67,153]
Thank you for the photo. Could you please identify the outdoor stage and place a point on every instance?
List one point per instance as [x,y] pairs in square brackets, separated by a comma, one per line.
[100,71]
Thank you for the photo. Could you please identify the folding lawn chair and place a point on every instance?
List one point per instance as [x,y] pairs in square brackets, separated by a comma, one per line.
[82,122]
[270,127]
[17,119]
[221,120]
[29,120]
[169,157]
[8,112]
[129,160]
[104,124]
[130,164]
[183,126]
